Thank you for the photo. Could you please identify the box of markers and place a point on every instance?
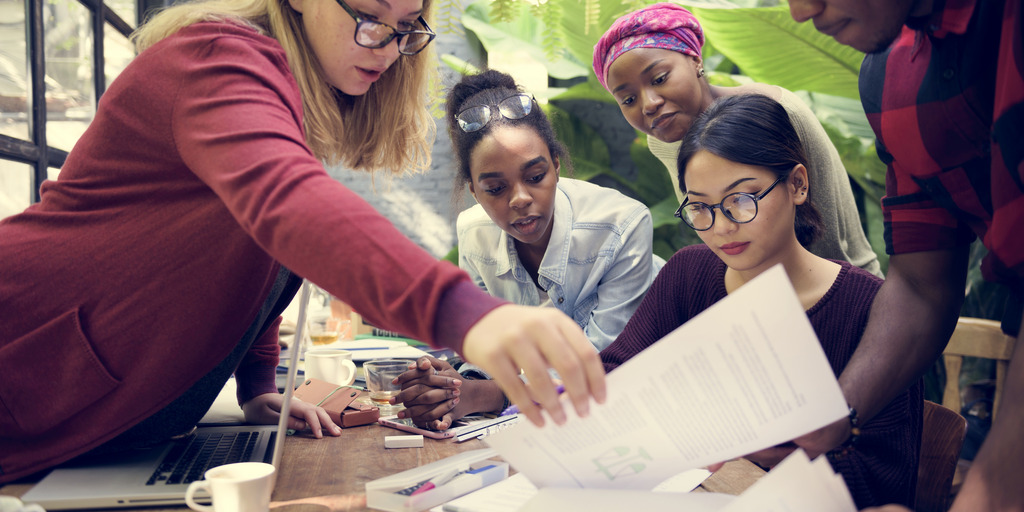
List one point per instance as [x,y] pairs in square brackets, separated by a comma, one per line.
[441,481]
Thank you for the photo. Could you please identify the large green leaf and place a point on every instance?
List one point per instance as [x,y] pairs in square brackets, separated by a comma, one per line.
[579,36]
[845,114]
[588,152]
[524,34]
[770,47]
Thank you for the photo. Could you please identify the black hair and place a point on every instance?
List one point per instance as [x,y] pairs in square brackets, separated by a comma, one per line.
[752,129]
[488,88]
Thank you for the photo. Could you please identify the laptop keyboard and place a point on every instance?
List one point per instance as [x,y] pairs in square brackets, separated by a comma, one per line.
[189,458]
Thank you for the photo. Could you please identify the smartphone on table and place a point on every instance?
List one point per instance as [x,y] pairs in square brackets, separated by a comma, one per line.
[407,425]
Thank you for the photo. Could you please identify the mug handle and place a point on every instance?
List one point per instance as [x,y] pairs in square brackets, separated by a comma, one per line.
[191,491]
[351,376]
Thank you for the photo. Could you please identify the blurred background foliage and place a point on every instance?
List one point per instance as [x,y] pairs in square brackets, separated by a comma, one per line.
[745,41]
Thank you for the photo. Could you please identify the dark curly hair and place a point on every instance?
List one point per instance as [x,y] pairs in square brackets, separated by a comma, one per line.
[753,129]
[488,88]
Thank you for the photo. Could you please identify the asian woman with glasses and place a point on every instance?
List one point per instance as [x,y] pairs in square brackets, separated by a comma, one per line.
[158,264]
[744,174]
[533,238]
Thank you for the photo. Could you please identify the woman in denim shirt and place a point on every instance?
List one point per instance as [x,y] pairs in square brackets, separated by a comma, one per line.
[532,238]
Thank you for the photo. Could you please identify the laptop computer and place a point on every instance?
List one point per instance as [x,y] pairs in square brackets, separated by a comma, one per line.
[160,475]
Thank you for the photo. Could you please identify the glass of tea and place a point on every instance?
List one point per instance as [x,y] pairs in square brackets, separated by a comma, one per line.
[329,319]
[379,373]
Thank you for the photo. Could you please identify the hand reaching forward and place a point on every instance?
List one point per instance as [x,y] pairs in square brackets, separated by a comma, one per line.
[265,409]
[511,337]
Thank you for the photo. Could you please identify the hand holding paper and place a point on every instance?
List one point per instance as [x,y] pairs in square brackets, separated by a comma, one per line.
[535,339]
[744,375]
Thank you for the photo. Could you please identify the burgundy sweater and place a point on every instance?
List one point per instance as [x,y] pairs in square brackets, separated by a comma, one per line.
[882,468]
[143,265]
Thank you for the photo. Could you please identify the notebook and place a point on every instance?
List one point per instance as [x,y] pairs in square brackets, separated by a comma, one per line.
[159,476]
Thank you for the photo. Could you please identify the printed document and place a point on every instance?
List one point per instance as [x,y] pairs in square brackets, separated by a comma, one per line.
[796,483]
[746,374]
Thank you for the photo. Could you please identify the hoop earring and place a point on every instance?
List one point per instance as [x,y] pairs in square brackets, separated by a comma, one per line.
[700,72]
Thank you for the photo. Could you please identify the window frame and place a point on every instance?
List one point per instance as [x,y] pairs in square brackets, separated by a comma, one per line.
[36,152]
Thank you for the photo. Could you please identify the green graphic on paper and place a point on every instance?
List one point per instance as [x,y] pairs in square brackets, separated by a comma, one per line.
[622,461]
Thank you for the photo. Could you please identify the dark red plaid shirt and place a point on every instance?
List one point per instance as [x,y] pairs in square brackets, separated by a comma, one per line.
[946,102]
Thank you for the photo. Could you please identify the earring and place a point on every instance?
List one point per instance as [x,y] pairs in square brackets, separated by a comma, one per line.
[700,72]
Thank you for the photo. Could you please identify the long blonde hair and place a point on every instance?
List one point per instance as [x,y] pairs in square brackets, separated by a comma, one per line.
[389,128]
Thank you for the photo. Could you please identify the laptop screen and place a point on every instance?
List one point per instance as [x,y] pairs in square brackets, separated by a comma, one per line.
[293,368]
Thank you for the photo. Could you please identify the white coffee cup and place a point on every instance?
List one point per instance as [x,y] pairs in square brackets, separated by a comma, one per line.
[238,487]
[330,365]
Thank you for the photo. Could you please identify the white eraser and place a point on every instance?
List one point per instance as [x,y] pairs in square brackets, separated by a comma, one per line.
[403,441]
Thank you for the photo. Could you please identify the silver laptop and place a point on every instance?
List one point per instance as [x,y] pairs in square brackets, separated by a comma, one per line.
[160,475]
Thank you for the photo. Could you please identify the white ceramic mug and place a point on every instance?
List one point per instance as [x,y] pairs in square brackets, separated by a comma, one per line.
[238,487]
[330,365]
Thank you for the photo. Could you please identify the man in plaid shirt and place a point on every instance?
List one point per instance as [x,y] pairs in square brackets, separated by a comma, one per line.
[943,88]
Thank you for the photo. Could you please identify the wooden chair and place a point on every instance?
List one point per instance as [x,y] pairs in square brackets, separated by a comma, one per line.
[975,337]
[942,435]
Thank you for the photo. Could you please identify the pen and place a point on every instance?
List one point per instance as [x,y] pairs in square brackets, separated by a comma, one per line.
[515,408]
[441,479]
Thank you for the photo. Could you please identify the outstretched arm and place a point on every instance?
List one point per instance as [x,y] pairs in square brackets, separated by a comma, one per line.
[911,321]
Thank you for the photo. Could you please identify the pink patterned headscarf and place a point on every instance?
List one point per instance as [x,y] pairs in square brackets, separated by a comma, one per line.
[662,25]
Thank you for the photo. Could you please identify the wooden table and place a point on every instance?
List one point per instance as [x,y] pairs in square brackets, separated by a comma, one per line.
[330,474]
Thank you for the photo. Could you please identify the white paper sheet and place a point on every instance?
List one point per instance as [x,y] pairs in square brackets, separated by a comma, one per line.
[746,374]
[796,483]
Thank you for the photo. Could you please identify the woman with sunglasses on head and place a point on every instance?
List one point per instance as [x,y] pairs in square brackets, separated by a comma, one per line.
[650,61]
[747,189]
[533,238]
[158,264]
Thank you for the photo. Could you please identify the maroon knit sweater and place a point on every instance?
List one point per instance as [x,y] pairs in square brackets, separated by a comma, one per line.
[882,468]
[142,266]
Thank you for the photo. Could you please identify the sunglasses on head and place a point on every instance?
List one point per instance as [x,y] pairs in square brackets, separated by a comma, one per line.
[516,106]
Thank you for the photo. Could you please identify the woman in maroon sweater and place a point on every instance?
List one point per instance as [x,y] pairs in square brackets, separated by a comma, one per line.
[159,262]
[744,172]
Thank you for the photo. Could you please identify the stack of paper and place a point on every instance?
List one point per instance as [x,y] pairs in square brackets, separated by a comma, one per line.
[795,485]
[746,374]
[515,492]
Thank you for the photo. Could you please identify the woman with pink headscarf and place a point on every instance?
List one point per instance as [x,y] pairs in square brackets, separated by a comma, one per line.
[650,60]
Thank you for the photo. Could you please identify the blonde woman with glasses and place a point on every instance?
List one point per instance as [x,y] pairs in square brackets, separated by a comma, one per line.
[158,264]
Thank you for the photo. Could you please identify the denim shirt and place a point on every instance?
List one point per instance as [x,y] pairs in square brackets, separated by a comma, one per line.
[597,267]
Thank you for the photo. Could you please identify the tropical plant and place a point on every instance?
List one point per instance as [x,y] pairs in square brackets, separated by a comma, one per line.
[744,44]
[746,41]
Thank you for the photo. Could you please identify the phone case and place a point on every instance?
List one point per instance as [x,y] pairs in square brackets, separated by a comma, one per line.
[407,425]
[334,399]
[358,413]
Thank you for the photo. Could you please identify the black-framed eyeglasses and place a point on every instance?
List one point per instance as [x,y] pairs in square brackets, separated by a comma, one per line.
[374,34]
[739,207]
[516,106]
